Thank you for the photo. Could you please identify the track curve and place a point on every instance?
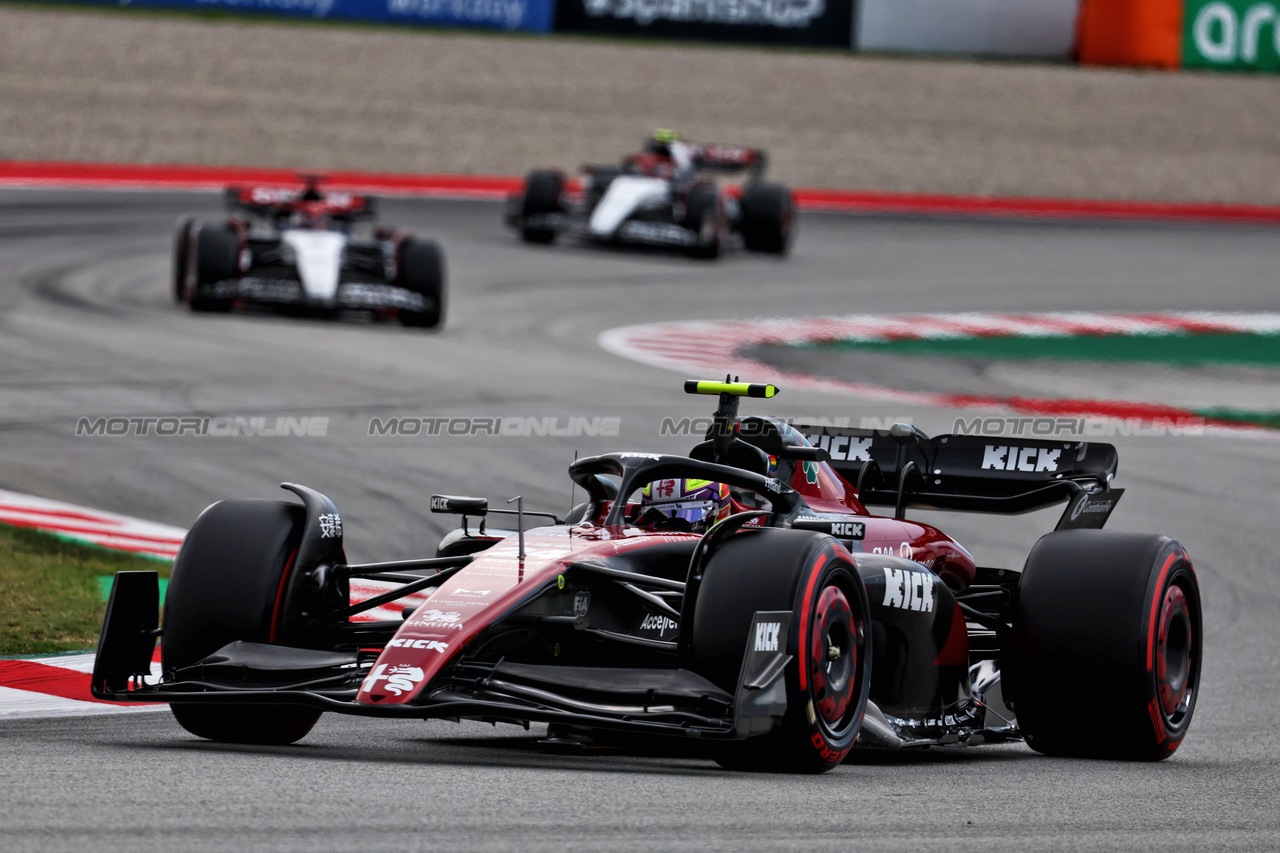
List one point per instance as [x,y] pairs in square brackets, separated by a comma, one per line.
[87,330]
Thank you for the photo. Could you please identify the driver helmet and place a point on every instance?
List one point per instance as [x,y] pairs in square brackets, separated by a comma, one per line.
[693,505]
[660,142]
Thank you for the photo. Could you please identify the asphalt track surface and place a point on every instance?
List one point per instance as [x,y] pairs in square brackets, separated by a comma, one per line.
[87,329]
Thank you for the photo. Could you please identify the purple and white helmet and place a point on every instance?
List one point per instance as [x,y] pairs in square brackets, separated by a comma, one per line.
[699,504]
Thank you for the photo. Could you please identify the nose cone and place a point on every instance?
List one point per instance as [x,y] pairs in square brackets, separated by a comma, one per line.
[625,194]
[319,259]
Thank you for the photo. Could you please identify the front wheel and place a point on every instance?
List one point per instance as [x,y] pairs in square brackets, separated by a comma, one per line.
[704,216]
[217,249]
[181,257]
[1106,645]
[229,583]
[542,191]
[422,271]
[828,678]
[768,216]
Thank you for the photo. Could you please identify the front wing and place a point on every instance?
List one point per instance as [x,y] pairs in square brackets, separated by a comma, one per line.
[352,295]
[668,701]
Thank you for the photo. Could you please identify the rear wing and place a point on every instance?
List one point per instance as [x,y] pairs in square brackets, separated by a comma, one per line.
[902,467]
[711,157]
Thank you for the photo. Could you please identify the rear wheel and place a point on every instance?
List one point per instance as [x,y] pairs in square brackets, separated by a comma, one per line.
[542,191]
[217,260]
[768,214]
[228,584]
[1107,640]
[705,217]
[422,271]
[181,253]
[828,677]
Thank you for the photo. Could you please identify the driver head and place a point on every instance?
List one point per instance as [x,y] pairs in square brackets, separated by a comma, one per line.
[684,505]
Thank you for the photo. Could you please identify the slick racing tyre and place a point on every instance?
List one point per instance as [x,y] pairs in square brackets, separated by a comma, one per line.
[542,190]
[217,259]
[1106,645]
[768,214]
[228,584]
[422,271]
[704,216]
[828,677]
[181,255]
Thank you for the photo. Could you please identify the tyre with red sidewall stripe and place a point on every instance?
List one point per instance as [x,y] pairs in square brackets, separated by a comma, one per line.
[1107,640]
[829,674]
[229,583]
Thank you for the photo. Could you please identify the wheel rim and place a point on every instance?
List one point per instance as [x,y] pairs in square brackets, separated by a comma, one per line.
[834,647]
[1174,656]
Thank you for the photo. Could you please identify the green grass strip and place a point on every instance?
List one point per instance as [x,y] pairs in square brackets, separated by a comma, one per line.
[1243,416]
[104,586]
[51,597]
[1236,348]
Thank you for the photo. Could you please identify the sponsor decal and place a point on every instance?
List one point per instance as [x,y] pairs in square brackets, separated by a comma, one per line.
[429,645]
[843,448]
[330,526]
[653,456]
[1085,505]
[400,678]
[1001,457]
[661,624]
[904,550]
[908,590]
[810,472]
[662,233]
[848,529]
[432,618]
[1242,34]
[470,593]
[773,485]
[767,636]
[582,603]
[768,13]
[439,503]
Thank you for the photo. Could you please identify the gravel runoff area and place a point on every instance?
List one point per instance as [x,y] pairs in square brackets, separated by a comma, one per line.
[79,84]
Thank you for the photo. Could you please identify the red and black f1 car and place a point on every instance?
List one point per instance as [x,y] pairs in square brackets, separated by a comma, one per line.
[795,626]
[662,196]
[305,249]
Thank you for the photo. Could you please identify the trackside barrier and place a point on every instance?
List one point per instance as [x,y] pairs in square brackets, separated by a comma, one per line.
[524,15]
[1228,35]
[819,23]
[115,176]
[1044,28]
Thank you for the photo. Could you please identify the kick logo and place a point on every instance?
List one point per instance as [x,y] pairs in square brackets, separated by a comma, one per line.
[429,645]
[400,678]
[767,636]
[1014,458]
[908,590]
[843,448]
